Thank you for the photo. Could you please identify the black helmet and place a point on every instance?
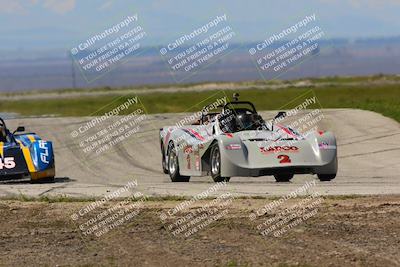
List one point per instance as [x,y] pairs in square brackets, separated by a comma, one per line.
[249,121]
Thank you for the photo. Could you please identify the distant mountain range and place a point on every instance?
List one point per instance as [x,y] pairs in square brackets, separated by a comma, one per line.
[50,69]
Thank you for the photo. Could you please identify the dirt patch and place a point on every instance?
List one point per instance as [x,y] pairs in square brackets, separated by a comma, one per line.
[344,232]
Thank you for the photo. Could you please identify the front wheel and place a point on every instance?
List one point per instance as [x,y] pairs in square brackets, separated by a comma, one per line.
[326,177]
[215,163]
[173,167]
[283,177]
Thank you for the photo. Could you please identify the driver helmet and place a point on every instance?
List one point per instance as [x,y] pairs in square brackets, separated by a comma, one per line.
[249,121]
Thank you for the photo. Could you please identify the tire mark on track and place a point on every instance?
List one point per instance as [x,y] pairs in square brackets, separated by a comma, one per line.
[51,189]
[369,153]
[369,139]
[121,151]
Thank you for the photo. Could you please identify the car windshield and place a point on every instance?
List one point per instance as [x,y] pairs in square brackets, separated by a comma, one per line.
[240,119]
[4,134]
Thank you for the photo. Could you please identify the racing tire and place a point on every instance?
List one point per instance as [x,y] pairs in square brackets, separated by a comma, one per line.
[173,167]
[48,180]
[215,164]
[283,177]
[326,177]
[163,161]
[43,180]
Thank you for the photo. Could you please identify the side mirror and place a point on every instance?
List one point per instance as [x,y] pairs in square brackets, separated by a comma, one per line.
[281,114]
[20,129]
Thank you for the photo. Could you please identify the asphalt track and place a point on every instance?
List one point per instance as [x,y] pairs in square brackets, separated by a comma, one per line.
[368,149]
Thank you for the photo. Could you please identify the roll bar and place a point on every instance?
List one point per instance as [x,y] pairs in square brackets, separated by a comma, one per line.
[205,113]
[239,103]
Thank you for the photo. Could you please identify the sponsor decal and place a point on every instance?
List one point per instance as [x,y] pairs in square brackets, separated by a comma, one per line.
[44,155]
[275,149]
[188,161]
[197,162]
[233,147]
[325,145]
[188,149]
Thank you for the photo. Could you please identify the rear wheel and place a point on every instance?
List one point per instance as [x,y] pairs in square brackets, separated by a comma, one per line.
[215,163]
[173,167]
[326,177]
[283,177]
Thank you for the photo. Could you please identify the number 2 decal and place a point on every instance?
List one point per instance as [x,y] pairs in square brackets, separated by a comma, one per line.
[284,159]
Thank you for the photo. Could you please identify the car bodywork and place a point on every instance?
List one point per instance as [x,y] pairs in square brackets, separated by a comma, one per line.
[251,149]
[25,155]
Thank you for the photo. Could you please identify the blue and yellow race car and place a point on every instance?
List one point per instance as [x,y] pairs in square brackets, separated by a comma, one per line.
[25,155]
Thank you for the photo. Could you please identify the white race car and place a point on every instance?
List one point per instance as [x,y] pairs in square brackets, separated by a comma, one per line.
[236,141]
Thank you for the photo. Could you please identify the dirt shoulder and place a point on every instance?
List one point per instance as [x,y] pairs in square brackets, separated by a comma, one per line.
[362,231]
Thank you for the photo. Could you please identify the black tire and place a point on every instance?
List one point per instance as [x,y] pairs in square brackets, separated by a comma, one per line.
[215,165]
[326,177]
[163,162]
[283,177]
[173,165]
[43,180]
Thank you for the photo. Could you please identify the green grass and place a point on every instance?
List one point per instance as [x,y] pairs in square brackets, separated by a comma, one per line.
[354,79]
[381,98]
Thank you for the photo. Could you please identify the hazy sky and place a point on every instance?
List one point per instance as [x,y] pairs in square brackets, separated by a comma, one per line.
[60,24]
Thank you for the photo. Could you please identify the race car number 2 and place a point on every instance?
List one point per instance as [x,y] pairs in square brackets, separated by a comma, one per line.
[284,159]
[7,163]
